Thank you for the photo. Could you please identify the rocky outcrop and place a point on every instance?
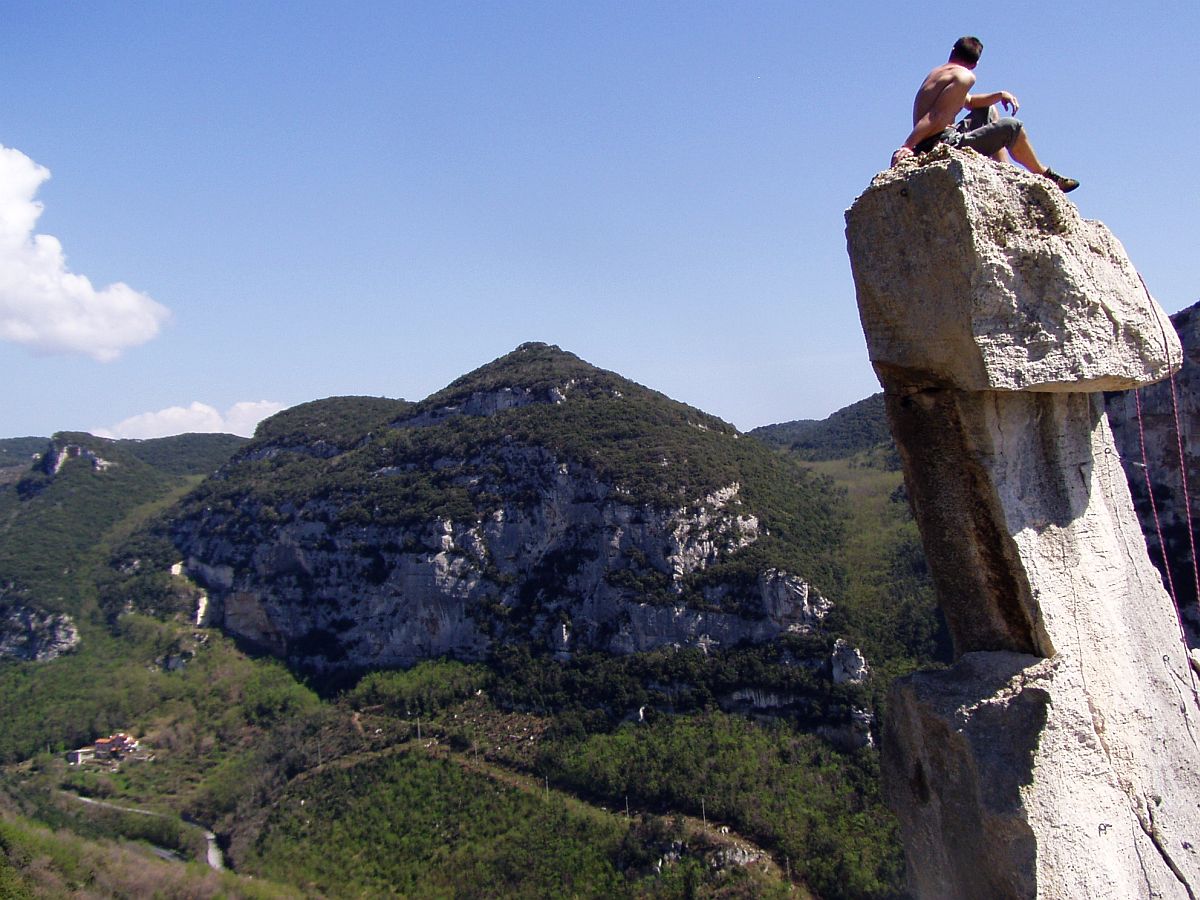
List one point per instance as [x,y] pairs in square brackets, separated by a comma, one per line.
[1161,462]
[57,454]
[49,463]
[1057,757]
[847,664]
[34,635]
[388,596]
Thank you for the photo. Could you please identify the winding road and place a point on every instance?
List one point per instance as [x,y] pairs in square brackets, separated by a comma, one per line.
[214,858]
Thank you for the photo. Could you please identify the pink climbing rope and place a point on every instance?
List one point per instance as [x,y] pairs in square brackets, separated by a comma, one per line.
[1187,656]
[1137,399]
[1187,509]
[1187,502]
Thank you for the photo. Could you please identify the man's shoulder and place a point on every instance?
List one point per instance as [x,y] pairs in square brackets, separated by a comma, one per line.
[950,73]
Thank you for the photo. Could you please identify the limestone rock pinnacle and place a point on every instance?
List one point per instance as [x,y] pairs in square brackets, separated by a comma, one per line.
[1058,757]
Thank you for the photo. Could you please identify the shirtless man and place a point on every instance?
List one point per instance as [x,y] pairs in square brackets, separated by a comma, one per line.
[945,91]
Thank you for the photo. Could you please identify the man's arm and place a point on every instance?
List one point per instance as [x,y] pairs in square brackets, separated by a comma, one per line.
[940,113]
[981,101]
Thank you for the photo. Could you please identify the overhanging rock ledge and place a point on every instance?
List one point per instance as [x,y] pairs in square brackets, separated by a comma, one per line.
[984,277]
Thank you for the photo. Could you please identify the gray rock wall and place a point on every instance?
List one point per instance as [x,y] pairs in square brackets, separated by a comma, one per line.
[34,635]
[327,594]
[1058,756]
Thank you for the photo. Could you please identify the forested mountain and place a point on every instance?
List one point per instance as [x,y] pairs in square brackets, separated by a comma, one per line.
[539,595]
[538,500]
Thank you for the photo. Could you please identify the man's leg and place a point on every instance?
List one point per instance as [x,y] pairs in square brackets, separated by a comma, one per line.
[1022,152]
[988,133]
[1004,138]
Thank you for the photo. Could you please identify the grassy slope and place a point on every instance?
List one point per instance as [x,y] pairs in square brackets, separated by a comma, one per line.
[37,861]
[435,822]
[888,608]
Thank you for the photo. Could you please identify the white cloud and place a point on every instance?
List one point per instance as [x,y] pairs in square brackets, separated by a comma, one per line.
[241,418]
[42,304]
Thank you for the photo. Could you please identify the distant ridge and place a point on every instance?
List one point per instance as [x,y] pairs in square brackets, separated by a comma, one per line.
[852,429]
[185,454]
[180,454]
[58,501]
[19,451]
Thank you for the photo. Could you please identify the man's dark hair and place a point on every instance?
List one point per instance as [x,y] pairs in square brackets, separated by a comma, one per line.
[967,49]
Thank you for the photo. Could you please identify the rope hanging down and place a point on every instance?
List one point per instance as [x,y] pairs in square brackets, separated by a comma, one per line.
[1187,502]
[1162,545]
[1187,506]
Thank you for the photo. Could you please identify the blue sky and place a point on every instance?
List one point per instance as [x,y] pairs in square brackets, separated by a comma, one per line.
[311,199]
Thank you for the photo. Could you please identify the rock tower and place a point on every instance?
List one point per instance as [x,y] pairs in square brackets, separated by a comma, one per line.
[1059,756]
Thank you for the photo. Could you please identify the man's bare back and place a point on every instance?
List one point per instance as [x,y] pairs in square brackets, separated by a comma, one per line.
[942,94]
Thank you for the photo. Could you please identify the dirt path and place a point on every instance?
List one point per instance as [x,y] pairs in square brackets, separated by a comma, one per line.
[106,805]
[716,833]
[215,859]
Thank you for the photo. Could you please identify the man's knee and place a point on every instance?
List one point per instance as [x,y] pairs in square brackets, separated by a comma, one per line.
[1011,127]
[993,137]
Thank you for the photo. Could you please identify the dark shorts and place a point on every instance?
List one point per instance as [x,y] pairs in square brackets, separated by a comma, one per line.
[983,131]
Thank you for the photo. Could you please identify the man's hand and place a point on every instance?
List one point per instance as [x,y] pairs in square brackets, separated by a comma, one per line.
[1010,102]
[901,153]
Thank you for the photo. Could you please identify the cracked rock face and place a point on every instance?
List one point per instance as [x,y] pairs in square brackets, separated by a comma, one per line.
[1058,757]
[34,635]
[329,594]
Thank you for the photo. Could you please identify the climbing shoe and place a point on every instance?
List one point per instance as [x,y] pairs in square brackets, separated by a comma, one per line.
[1066,185]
